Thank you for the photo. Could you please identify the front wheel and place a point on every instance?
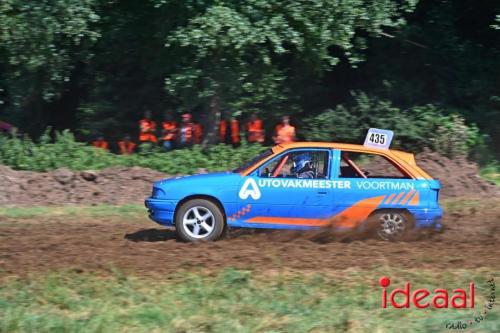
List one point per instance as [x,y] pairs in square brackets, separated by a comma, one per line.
[392,225]
[199,220]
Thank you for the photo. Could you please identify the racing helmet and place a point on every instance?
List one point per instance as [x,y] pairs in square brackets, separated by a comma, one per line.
[300,161]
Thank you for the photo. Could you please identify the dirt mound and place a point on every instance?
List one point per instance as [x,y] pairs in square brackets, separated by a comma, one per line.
[115,185]
[459,177]
[118,185]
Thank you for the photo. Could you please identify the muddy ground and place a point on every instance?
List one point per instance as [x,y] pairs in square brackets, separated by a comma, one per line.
[139,247]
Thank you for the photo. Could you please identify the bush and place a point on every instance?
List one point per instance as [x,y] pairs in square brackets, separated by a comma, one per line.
[64,151]
[414,128]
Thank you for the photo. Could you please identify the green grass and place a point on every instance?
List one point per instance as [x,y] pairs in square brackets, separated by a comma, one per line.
[129,210]
[138,210]
[491,173]
[232,301]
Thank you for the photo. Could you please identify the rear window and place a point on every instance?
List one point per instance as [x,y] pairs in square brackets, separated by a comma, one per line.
[363,165]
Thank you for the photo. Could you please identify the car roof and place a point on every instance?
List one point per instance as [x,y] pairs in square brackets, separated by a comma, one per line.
[332,145]
[407,158]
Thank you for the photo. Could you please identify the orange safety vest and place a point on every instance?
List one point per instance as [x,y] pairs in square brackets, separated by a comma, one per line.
[235,131]
[223,130]
[147,128]
[103,144]
[126,148]
[284,134]
[186,133]
[255,131]
[198,133]
[170,130]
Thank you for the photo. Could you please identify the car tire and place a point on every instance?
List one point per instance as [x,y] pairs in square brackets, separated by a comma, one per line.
[392,225]
[199,220]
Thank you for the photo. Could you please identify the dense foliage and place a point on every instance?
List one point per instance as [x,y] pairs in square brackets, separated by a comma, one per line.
[416,127]
[95,66]
[64,151]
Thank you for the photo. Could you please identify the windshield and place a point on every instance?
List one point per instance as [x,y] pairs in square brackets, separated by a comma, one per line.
[254,160]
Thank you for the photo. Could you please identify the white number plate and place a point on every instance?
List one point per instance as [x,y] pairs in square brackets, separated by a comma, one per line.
[378,138]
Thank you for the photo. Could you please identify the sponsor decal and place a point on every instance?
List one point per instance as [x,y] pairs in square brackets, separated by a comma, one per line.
[393,186]
[305,183]
[249,189]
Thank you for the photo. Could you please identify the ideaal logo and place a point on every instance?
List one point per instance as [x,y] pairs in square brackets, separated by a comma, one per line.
[423,298]
[460,298]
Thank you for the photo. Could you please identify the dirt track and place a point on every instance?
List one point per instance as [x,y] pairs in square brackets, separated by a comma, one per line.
[140,247]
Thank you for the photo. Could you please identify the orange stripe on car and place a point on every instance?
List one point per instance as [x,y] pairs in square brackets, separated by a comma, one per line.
[415,200]
[348,218]
[395,201]
[356,214]
[389,198]
[405,200]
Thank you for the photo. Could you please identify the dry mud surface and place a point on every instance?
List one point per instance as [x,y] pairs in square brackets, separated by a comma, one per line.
[140,247]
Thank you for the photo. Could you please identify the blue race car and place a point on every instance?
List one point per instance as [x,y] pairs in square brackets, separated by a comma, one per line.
[303,186]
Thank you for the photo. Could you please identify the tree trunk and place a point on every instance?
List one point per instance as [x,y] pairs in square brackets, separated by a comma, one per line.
[213,121]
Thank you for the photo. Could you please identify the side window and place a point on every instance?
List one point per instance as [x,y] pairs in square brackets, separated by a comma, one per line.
[364,165]
[298,164]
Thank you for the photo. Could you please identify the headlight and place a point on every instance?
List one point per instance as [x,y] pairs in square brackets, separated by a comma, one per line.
[158,193]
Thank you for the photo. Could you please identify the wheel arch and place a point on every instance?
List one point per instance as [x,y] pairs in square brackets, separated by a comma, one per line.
[205,197]
[404,211]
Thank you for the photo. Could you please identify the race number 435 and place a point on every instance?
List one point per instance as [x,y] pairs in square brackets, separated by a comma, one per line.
[378,138]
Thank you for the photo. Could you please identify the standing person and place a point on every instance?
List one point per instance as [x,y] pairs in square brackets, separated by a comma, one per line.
[99,142]
[198,133]
[126,145]
[284,132]
[255,130]
[235,132]
[231,134]
[147,129]
[169,131]
[185,137]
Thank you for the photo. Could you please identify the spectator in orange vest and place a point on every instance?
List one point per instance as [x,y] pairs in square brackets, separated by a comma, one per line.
[100,143]
[235,132]
[147,129]
[198,133]
[284,132]
[255,130]
[169,131]
[233,135]
[126,146]
[186,132]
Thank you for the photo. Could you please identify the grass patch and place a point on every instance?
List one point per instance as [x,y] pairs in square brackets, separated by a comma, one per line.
[129,210]
[138,210]
[232,301]
[491,173]
[454,205]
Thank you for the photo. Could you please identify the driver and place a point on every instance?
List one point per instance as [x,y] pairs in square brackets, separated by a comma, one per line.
[303,166]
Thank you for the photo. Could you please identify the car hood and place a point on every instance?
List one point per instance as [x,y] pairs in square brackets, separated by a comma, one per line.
[209,177]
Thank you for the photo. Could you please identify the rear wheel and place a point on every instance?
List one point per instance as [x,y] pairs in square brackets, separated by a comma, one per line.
[199,220]
[392,225]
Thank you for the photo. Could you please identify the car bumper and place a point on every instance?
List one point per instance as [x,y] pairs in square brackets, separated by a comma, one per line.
[161,211]
[428,218]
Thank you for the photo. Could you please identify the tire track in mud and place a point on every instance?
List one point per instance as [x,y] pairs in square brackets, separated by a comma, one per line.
[139,247]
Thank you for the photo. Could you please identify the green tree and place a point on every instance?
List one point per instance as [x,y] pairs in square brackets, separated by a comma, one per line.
[41,45]
[235,49]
